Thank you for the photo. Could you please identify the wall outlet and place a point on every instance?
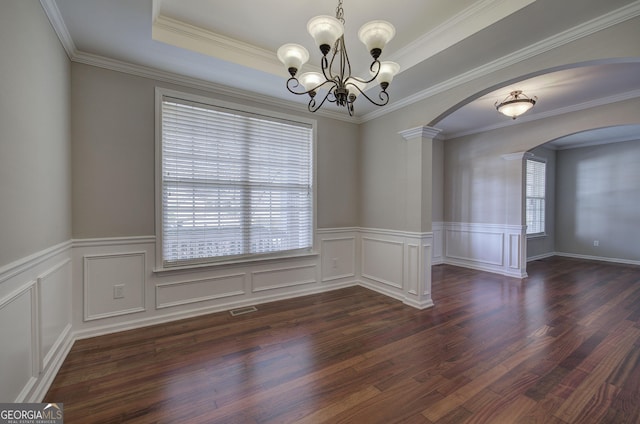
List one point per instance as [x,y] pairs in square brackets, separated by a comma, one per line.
[118,291]
[334,263]
[596,243]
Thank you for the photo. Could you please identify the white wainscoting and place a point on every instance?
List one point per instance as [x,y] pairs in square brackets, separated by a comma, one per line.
[64,293]
[437,228]
[489,247]
[338,259]
[397,264]
[153,297]
[35,322]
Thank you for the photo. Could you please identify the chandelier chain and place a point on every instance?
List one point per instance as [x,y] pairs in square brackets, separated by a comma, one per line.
[340,12]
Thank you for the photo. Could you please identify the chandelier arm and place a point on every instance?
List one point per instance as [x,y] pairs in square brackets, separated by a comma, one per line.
[339,79]
[384,97]
[297,84]
[329,68]
[377,71]
[324,64]
[314,106]
[345,64]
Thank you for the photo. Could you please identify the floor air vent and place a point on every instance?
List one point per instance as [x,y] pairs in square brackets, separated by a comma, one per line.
[241,311]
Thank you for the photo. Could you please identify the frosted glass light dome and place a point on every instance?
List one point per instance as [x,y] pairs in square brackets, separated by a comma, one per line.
[310,80]
[388,70]
[375,35]
[293,56]
[325,30]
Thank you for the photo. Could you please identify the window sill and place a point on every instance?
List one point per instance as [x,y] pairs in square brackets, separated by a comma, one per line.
[243,261]
[536,236]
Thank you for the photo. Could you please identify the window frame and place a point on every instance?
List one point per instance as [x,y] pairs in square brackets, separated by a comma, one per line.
[542,233]
[160,263]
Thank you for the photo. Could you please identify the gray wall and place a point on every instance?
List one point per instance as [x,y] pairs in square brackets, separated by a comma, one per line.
[35,169]
[545,245]
[113,156]
[476,182]
[598,198]
[482,187]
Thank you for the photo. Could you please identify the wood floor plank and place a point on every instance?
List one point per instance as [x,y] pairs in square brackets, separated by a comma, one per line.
[559,347]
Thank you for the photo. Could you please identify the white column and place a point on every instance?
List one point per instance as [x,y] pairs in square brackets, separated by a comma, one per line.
[418,211]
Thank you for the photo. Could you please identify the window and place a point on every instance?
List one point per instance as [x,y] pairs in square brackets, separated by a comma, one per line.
[234,183]
[535,196]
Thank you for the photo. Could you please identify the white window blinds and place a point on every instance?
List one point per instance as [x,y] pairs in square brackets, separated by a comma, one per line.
[535,196]
[233,183]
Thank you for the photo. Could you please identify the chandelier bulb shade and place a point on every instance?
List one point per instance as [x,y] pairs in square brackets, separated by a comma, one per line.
[325,30]
[375,35]
[336,82]
[293,56]
[515,104]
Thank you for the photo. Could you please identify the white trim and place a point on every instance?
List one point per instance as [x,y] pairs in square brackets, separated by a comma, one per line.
[31,261]
[202,298]
[516,156]
[55,17]
[183,35]
[170,317]
[598,258]
[285,285]
[113,241]
[615,17]
[160,94]
[603,101]
[582,30]
[469,21]
[45,359]
[420,132]
[200,84]
[323,258]
[86,259]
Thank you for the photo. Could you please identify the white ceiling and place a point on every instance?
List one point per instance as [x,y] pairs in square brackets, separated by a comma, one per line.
[231,45]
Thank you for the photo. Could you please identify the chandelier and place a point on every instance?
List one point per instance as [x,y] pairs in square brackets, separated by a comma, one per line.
[515,104]
[336,84]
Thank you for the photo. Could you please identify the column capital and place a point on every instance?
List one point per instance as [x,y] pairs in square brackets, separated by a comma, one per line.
[420,132]
[517,156]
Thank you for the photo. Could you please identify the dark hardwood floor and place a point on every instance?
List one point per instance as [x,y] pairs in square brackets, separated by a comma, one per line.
[562,346]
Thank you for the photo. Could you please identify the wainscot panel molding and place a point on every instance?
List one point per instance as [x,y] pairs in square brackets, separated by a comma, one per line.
[152,297]
[194,291]
[488,247]
[338,256]
[35,322]
[437,228]
[397,264]
[104,275]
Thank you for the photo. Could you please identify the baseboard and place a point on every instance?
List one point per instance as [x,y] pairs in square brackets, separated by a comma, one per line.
[47,377]
[597,258]
[542,256]
[170,317]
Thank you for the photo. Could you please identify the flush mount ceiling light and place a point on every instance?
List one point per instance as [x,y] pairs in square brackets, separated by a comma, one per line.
[515,104]
[336,83]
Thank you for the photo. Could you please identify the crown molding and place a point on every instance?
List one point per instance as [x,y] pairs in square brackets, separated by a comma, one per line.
[420,132]
[474,18]
[173,78]
[620,15]
[190,37]
[516,156]
[587,28]
[628,95]
[611,140]
[55,17]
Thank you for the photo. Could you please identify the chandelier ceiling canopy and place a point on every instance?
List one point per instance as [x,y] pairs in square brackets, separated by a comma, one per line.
[336,83]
